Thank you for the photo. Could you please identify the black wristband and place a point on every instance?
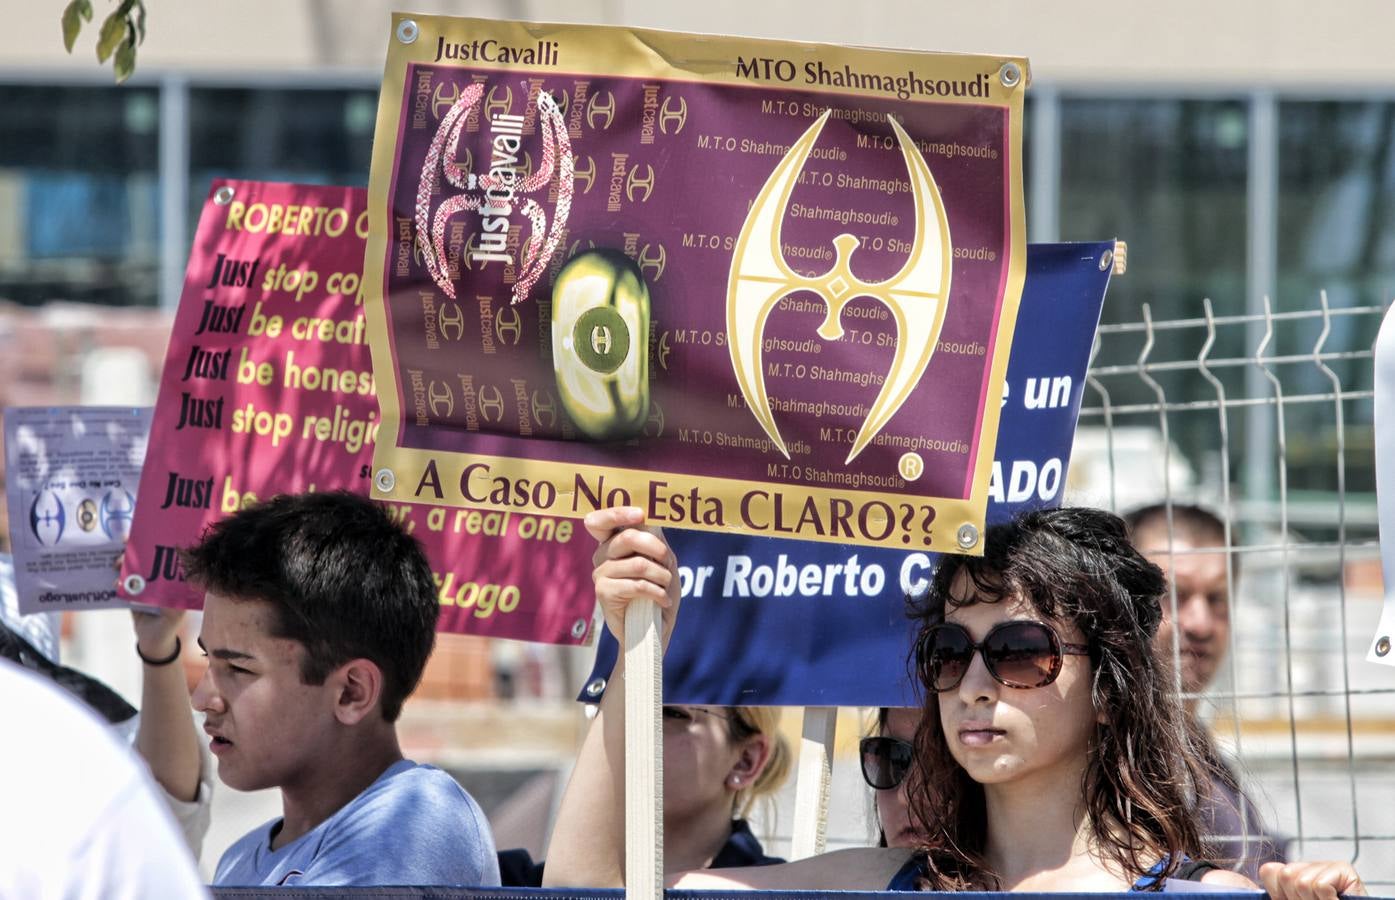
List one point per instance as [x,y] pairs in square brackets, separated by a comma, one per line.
[156,663]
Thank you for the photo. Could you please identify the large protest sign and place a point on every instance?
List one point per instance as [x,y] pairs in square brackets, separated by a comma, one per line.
[268,388]
[72,474]
[787,623]
[751,286]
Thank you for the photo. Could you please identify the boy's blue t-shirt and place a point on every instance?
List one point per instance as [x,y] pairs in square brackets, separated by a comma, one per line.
[413,826]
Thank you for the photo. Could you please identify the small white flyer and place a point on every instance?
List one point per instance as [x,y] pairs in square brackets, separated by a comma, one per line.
[72,477]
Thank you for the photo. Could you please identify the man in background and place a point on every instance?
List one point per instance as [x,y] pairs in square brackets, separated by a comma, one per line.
[1188,543]
[1193,556]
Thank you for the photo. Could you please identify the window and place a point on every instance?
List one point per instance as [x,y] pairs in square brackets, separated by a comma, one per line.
[1169,177]
[1336,212]
[79,194]
[304,135]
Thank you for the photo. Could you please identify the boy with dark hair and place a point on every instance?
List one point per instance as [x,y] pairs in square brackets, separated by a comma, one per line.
[319,617]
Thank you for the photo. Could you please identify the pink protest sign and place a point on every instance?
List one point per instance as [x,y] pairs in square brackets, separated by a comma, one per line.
[268,388]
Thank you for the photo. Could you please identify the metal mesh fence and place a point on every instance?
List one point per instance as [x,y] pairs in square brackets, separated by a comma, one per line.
[1266,419]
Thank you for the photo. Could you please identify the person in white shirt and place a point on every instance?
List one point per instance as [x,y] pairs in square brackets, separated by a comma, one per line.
[163,733]
[81,817]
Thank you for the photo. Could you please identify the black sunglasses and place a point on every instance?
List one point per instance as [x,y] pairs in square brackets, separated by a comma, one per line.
[885,761]
[1018,654]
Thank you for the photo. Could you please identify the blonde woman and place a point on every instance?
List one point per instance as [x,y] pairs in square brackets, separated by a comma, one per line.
[719,763]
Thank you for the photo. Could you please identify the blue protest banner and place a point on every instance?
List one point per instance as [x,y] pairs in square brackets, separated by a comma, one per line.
[614,893]
[464,893]
[772,622]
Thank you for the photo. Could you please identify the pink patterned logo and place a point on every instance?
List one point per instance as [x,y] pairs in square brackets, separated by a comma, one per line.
[495,195]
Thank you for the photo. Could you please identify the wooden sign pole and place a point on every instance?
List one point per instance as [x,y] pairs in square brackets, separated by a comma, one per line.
[644,752]
[812,788]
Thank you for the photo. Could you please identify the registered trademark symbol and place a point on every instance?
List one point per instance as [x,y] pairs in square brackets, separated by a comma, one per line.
[911,466]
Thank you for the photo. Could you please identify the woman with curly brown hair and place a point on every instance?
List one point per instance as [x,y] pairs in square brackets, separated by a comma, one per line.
[1051,711]
[1052,755]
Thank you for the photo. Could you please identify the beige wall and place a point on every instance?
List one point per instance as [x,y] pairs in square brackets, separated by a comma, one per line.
[1342,45]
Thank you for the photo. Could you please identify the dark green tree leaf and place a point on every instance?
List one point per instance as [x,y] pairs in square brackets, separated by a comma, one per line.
[125,61]
[113,30]
[72,23]
[140,22]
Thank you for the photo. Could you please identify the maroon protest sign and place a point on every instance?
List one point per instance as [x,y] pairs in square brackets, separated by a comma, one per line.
[268,388]
[751,286]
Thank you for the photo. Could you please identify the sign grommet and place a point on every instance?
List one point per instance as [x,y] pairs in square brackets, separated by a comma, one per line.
[407,31]
[968,536]
[223,196]
[385,480]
